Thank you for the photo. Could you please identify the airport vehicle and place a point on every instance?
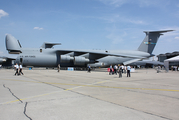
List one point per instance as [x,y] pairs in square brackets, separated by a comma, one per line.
[45,56]
[2,60]
[6,61]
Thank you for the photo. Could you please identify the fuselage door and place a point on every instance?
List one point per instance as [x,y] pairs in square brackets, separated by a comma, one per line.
[21,60]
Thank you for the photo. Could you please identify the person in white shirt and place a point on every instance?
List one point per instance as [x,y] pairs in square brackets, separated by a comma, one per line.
[128,71]
[17,68]
[20,69]
[122,68]
[115,69]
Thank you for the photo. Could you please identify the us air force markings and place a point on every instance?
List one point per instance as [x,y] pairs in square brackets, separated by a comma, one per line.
[47,94]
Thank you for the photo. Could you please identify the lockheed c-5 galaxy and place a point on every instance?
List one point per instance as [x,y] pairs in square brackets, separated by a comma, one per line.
[45,56]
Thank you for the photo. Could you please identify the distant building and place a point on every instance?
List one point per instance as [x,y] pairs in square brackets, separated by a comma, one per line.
[170,59]
[6,61]
[165,56]
[172,63]
[147,63]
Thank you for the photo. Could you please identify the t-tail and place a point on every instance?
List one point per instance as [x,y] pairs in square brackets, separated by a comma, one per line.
[149,42]
[12,44]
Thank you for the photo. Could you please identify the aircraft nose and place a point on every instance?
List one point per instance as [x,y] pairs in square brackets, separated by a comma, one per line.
[11,43]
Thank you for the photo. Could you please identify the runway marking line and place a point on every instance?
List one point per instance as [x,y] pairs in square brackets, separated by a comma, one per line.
[80,85]
[92,85]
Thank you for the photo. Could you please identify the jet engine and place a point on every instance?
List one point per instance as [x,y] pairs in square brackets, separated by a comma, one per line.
[80,60]
[65,58]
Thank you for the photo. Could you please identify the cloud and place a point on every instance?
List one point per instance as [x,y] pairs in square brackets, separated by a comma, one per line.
[3,13]
[177,5]
[138,22]
[116,35]
[171,36]
[177,38]
[176,14]
[119,18]
[145,3]
[141,3]
[38,28]
[116,3]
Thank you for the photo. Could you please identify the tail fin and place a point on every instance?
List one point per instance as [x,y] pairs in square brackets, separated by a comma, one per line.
[12,44]
[150,40]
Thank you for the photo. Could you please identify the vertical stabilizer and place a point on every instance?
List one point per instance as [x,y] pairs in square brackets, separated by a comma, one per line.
[12,44]
[149,42]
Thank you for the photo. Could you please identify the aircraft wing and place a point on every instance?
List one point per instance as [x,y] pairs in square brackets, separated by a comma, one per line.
[131,61]
[95,54]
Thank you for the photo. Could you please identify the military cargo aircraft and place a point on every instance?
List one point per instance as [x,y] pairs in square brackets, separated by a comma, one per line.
[45,56]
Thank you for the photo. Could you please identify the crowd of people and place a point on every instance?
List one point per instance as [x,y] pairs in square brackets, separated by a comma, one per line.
[112,70]
[120,70]
[174,68]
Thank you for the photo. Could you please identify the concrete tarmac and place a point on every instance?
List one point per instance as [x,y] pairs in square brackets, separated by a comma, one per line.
[77,95]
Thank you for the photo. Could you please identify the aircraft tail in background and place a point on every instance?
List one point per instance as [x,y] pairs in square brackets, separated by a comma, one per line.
[150,40]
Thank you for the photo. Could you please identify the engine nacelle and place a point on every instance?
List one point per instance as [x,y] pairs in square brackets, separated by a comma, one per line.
[65,58]
[99,64]
[80,60]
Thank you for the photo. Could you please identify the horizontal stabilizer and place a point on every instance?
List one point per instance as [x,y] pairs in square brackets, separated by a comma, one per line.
[162,31]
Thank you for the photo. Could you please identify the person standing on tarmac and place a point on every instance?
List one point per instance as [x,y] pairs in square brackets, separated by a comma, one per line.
[115,69]
[110,72]
[89,68]
[20,69]
[122,68]
[120,71]
[128,71]
[58,67]
[17,68]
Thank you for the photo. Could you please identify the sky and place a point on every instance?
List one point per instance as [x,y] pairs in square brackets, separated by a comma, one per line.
[89,24]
